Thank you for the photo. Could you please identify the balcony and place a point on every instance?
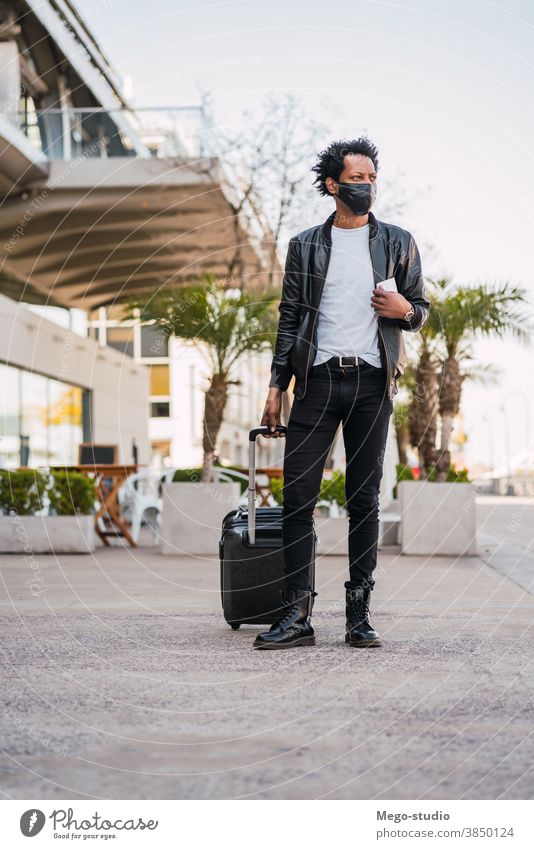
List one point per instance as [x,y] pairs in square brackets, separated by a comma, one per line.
[126,202]
[97,132]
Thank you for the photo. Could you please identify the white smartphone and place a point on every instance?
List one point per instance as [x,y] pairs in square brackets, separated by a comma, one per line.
[390,285]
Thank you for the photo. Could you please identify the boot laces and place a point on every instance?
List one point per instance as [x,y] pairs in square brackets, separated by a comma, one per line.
[289,610]
[286,614]
[358,607]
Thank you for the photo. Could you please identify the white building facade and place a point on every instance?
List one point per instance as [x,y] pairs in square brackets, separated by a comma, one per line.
[59,389]
[178,375]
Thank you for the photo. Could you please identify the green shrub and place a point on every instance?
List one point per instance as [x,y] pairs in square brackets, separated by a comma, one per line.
[71,493]
[188,475]
[195,476]
[404,473]
[453,475]
[22,491]
[333,489]
[458,475]
[277,485]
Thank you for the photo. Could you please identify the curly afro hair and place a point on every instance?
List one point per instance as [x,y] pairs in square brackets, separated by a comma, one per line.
[330,161]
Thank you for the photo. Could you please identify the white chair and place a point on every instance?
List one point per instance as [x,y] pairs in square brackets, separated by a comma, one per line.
[140,501]
[166,475]
[224,474]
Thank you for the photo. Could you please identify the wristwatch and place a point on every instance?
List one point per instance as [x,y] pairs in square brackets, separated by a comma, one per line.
[409,315]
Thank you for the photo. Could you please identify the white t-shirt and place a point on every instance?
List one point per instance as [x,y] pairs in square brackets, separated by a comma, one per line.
[346,322]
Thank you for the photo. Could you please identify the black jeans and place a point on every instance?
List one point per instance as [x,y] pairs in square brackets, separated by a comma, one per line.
[357,397]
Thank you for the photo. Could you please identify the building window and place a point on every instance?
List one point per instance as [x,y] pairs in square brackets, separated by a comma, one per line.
[225,452]
[35,415]
[159,380]
[121,338]
[10,419]
[160,409]
[161,452]
[64,424]
[154,342]
[44,414]
[143,342]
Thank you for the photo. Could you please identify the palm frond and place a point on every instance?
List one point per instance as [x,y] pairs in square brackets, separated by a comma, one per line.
[484,374]
[226,321]
[465,312]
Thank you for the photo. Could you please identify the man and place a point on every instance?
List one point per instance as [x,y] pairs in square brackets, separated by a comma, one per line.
[340,336]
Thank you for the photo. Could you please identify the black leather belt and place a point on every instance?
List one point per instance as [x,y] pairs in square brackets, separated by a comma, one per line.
[345,362]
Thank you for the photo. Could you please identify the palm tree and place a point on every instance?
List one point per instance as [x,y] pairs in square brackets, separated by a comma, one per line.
[401,412]
[457,317]
[223,324]
[423,410]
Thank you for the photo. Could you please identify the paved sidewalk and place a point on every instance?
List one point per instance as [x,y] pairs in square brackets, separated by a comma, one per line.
[122,680]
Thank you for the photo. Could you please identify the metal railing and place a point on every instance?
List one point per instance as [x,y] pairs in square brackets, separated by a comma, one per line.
[180,131]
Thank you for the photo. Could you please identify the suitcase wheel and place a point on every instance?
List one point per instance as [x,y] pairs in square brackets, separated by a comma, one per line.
[235,626]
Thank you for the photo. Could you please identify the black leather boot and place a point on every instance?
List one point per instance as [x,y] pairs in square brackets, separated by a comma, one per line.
[358,629]
[293,627]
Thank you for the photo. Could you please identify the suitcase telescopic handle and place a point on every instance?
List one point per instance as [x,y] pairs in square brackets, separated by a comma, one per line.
[256,431]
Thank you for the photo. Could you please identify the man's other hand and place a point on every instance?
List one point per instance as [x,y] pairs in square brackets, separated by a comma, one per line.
[272,411]
[389,304]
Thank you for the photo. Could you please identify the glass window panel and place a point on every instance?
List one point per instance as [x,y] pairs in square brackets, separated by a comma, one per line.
[121,338]
[160,409]
[64,423]
[35,415]
[159,380]
[9,417]
[46,411]
[154,343]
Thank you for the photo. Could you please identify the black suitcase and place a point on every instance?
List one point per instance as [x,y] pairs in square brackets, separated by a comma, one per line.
[251,555]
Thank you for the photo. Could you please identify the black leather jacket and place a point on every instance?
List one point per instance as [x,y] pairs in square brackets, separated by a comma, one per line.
[393,254]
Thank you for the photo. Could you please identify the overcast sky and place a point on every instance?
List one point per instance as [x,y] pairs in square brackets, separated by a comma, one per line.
[444,90]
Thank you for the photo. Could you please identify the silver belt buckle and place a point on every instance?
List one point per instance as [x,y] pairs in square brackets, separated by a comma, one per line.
[349,365]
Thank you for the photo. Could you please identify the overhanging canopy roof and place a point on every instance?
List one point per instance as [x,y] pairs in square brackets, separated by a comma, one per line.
[101,230]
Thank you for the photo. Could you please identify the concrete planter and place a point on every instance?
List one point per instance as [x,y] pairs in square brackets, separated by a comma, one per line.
[332,533]
[192,516]
[47,534]
[437,518]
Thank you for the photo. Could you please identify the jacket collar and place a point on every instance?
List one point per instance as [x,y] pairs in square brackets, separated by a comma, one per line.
[327,227]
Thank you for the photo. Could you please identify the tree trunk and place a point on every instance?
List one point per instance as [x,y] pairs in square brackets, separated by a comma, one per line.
[449,405]
[403,443]
[402,434]
[423,413]
[214,407]
[444,457]
[427,450]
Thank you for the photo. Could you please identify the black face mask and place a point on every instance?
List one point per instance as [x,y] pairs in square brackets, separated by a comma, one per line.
[359,197]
